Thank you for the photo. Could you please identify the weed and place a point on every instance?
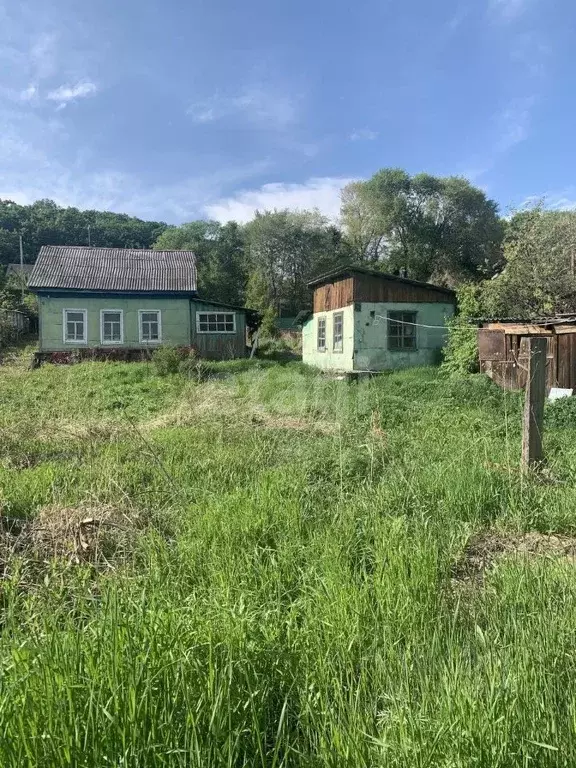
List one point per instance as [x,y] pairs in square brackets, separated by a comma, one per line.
[275,583]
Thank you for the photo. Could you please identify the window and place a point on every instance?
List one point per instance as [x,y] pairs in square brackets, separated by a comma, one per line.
[321,334]
[75,326]
[337,334]
[111,326]
[150,326]
[401,330]
[215,322]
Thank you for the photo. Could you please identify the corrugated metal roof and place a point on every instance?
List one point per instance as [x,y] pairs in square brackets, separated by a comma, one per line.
[113,269]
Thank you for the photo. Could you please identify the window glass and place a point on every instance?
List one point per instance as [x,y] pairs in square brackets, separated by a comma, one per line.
[215,322]
[150,326]
[75,325]
[321,334]
[338,332]
[401,330]
[111,326]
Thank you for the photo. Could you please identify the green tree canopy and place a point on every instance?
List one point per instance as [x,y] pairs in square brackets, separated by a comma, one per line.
[220,256]
[539,276]
[442,229]
[285,250]
[46,223]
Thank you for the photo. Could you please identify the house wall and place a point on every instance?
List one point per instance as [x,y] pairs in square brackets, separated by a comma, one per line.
[175,319]
[343,291]
[371,335]
[218,346]
[339,361]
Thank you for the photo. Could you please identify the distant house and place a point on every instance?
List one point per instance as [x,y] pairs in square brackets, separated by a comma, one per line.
[17,275]
[103,298]
[370,321]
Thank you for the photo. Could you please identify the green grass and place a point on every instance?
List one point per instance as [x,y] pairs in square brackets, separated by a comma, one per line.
[288,599]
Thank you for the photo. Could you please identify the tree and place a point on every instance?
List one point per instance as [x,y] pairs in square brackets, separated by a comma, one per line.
[363,231]
[439,228]
[46,223]
[285,250]
[220,257]
[539,274]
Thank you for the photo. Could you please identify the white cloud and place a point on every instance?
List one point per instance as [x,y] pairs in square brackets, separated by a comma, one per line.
[364,134]
[29,93]
[255,104]
[565,200]
[321,193]
[513,123]
[507,10]
[67,93]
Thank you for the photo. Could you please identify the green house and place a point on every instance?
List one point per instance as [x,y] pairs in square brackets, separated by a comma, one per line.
[115,300]
[364,320]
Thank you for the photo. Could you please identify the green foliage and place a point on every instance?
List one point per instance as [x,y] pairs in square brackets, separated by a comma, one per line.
[443,229]
[46,223]
[285,250]
[167,359]
[561,413]
[461,350]
[291,596]
[539,274]
[220,255]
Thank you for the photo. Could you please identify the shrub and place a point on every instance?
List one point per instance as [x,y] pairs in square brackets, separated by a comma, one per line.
[561,413]
[167,359]
[461,351]
[193,367]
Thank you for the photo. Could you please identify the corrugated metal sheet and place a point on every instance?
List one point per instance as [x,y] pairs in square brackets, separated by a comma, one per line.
[113,269]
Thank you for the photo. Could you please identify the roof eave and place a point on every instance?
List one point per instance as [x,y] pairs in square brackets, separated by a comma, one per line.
[351,270]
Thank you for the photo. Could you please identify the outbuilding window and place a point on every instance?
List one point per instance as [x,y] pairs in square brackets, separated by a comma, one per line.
[216,322]
[401,330]
[321,334]
[150,326]
[111,326]
[338,332]
[75,326]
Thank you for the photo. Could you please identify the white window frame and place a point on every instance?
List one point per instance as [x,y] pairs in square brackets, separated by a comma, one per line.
[338,350]
[324,319]
[207,321]
[65,325]
[150,341]
[121,339]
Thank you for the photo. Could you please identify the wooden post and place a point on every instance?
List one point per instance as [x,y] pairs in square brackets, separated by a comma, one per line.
[533,421]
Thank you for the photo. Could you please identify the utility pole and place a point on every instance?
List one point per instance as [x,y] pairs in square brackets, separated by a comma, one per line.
[89,243]
[533,420]
[22,278]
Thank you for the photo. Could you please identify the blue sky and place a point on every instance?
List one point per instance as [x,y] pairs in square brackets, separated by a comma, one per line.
[177,110]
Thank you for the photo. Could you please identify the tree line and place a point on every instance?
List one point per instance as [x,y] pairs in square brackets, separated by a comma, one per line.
[442,230]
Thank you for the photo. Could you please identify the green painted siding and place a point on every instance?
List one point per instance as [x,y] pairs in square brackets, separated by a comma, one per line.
[366,337]
[218,346]
[371,335]
[329,360]
[175,319]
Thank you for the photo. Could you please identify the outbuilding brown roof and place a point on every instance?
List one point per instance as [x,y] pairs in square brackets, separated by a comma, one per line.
[113,269]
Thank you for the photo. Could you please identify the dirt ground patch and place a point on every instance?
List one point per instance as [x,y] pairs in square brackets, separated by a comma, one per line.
[485,549]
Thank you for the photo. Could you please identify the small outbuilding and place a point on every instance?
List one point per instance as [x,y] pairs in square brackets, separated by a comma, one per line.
[503,349]
[118,301]
[364,320]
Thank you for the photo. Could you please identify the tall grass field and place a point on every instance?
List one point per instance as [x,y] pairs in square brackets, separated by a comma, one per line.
[272,568]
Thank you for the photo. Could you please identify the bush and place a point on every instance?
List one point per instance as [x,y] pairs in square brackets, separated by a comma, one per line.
[167,359]
[461,351]
[193,367]
[561,413]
